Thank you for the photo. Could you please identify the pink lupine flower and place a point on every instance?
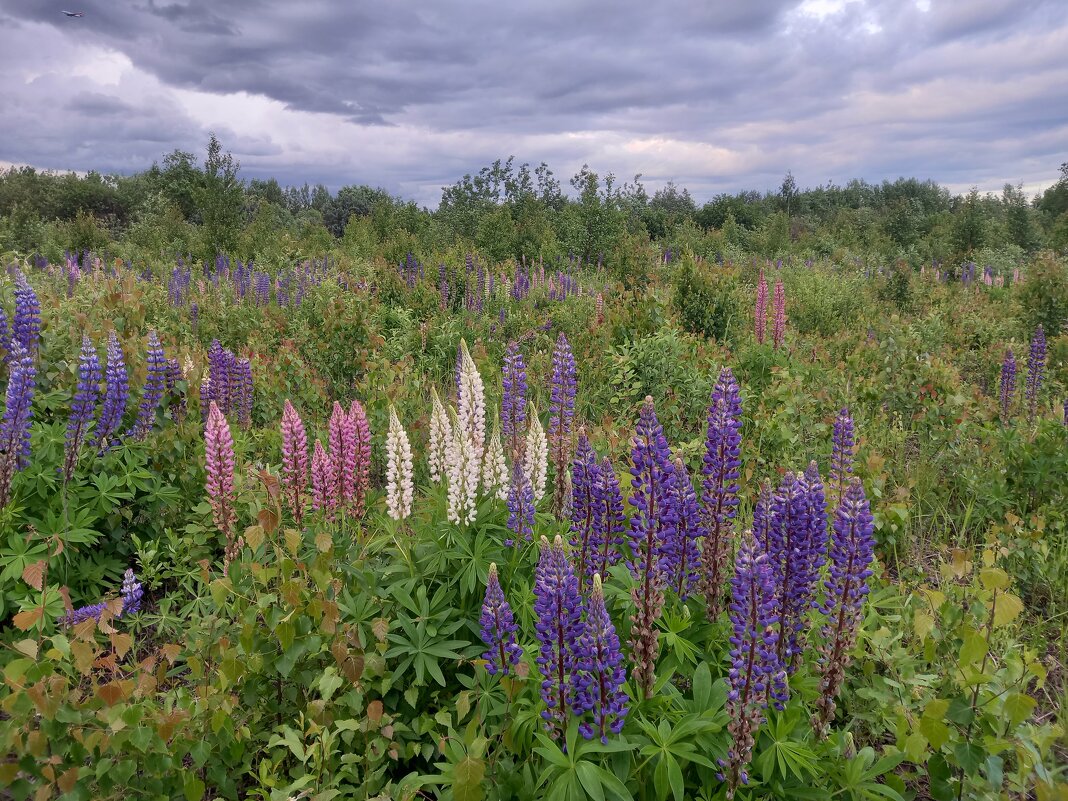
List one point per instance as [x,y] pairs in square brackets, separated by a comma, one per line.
[760,311]
[323,481]
[779,325]
[363,456]
[219,462]
[343,455]
[294,461]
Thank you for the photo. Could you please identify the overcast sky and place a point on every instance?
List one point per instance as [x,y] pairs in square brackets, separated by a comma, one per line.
[716,95]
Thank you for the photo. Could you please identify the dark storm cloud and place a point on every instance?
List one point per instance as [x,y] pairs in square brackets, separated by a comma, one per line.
[713,95]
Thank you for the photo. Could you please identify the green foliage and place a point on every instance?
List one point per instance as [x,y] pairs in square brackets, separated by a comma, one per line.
[703,301]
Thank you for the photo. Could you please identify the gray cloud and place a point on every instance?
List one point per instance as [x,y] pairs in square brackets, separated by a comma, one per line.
[715,96]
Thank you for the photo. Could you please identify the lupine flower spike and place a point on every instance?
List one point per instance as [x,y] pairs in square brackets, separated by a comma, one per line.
[116,395]
[219,461]
[323,481]
[680,555]
[536,455]
[495,477]
[18,412]
[514,400]
[498,629]
[83,407]
[1008,385]
[463,470]
[128,603]
[399,487]
[845,589]
[760,309]
[599,685]
[583,477]
[843,448]
[471,410]
[1036,367]
[294,461]
[778,328]
[342,432]
[608,536]
[155,385]
[440,438]
[561,415]
[362,427]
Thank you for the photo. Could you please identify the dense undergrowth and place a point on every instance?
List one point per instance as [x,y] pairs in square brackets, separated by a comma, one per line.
[322,650]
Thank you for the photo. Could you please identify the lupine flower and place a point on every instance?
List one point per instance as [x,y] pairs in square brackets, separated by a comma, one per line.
[1036,366]
[219,461]
[520,506]
[652,525]
[680,555]
[843,448]
[845,589]
[760,310]
[342,437]
[561,414]
[721,466]
[583,476]
[536,455]
[363,456]
[463,471]
[83,406]
[440,437]
[471,411]
[26,325]
[778,328]
[218,383]
[559,628]
[1008,385]
[244,398]
[294,461]
[755,674]
[323,481]
[498,628]
[18,412]
[116,395]
[131,595]
[514,399]
[399,486]
[599,682]
[155,384]
[608,535]
[494,470]
[5,336]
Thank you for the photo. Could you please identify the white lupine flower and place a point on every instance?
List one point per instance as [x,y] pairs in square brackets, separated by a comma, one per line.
[472,411]
[536,457]
[462,472]
[440,436]
[399,487]
[494,470]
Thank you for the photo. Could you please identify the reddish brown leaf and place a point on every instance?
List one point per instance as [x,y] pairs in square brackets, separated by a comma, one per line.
[33,574]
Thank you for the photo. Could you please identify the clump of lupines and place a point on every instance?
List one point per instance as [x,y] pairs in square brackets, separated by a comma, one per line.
[399,487]
[155,385]
[323,481]
[583,476]
[471,407]
[778,328]
[219,461]
[536,455]
[463,469]
[600,677]
[514,400]
[846,587]
[18,412]
[498,628]
[294,461]
[652,525]
[680,555]
[562,388]
[362,427]
[83,406]
[721,466]
[559,628]
[228,382]
[1036,366]
[755,674]
[1008,385]
[128,603]
[440,438]
[843,449]
[520,505]
[116,395]
[760,309]
[26,324]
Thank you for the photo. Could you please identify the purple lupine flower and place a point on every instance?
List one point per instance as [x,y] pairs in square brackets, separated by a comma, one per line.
[18,412]
[498,628]
[680,555]
[194,315]
[583,476]
[608,535]
[155,383]
[760,309]
[1036,366]
[721,467]
[5,343]
[1008,385]
[26,325]
[652,524]
[850,554]
[131,595]
[244,395]
[561,414]
[843,449]
[116,395]
[83,406]
[599,683]
[559,628]
[514,400]
[520,505]
[755,673]
[459,375]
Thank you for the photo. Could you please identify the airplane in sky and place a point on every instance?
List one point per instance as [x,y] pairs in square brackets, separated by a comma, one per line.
[74,13]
